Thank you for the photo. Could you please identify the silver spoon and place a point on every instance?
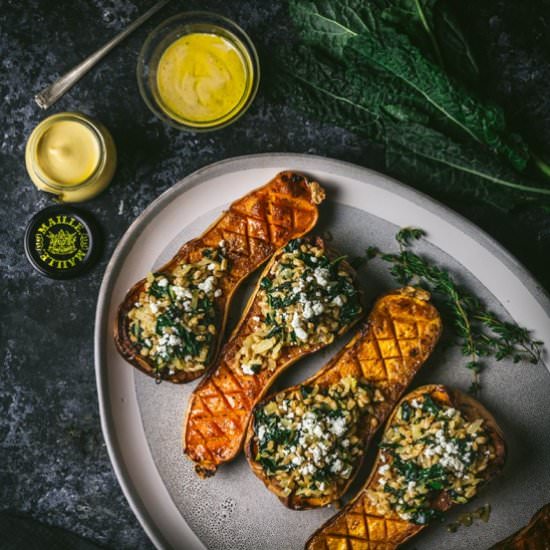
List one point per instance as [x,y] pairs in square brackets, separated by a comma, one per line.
[48,96]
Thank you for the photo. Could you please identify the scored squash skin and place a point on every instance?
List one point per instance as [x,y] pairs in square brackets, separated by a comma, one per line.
[220,406]
[534,536]
[252,229]
[359,525]
[386,353]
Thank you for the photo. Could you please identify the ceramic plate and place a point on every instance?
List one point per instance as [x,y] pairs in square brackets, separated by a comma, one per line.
[142,421]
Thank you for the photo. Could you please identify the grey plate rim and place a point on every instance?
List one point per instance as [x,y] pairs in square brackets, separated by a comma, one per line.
[262,160]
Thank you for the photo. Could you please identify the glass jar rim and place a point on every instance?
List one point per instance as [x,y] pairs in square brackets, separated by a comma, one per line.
[39,132]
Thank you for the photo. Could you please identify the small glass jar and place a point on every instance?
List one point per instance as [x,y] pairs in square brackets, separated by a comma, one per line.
[166,35]
[71,156]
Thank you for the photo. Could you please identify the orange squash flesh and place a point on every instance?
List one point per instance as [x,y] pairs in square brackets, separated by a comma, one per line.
[387,352]
[221,405]
[253,228]
[359,525]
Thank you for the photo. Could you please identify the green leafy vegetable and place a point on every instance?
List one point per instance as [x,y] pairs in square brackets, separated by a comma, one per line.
[458,56]
[332,23]
[416,19]
[376,68]
[466,170]
[413,151]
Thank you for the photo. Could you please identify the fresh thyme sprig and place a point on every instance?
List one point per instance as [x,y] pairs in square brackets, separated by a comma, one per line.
[481,333]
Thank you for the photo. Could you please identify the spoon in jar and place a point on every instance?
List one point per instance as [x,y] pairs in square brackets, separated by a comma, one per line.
[48,96]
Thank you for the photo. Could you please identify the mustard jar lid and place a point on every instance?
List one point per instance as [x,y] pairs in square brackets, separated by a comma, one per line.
[62,242]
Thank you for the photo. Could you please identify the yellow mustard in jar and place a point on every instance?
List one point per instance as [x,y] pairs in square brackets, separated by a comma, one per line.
[203,79]
[71,156]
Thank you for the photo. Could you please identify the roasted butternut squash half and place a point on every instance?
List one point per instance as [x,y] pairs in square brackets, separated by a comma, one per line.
[307,442]
[170,324]
[534,536]
[304,298]
[439,447]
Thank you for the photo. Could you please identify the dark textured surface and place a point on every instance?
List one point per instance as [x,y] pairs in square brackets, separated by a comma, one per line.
[54,464]
[511,41]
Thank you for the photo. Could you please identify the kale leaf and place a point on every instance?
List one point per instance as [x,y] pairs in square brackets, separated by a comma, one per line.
[378,68]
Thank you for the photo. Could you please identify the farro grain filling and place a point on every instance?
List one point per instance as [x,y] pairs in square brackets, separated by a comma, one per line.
[305,300]
[308,441]
[175,319]
[429,448]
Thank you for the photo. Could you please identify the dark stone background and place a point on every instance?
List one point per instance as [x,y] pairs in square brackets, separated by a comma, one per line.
[53,462]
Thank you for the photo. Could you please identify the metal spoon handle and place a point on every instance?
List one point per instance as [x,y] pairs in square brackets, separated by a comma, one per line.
[48,96]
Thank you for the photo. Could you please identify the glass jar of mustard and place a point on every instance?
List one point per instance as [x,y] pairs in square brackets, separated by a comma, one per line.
[71,156]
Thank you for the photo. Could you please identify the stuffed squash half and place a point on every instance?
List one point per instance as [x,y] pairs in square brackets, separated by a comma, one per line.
[170,324]
[438,449]
[307,442]
[534,536]
[304,298]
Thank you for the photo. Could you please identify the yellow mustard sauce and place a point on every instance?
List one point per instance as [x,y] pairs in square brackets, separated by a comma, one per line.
[72,156]
[203,79]
[68,152]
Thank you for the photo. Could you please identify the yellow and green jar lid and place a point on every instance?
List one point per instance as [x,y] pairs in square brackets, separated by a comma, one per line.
[62,242]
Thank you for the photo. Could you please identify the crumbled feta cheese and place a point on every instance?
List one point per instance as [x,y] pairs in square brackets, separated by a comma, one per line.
[298,287]
[297,460]
[308,469]
[301,334]
[153,307]
[308,310]
[318,308]
[208,284]
[321,275]
[162,283]
[308,421]
[336,466]
[248,369]
[338,300]
[261,432]
[181,292]
[218,293]
[452,462]
[173,340]
[383,469]
[316,453]
[338,426]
